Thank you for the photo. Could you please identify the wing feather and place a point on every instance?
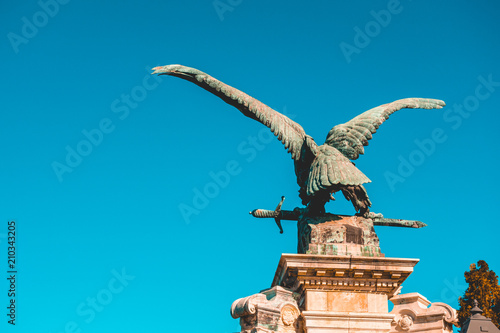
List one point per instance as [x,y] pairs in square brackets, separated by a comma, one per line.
[324,175]
[331,167]
[349,138]
[291,134]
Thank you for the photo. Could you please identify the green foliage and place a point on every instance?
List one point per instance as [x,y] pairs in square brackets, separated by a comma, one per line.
[483,286]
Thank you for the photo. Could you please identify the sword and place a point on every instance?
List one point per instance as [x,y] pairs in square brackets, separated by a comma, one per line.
[277,214]
[293,215]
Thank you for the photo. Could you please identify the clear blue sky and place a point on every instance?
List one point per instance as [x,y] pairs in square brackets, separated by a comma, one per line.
[78,66]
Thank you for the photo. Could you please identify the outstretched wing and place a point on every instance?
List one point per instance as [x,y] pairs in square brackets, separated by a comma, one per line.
[288,132]
[349,138]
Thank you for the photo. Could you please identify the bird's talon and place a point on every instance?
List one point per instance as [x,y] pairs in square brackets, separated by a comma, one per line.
[372,215]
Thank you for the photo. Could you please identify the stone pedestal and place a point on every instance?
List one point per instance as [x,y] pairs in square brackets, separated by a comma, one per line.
[338,235]
[340,282]
[343,293]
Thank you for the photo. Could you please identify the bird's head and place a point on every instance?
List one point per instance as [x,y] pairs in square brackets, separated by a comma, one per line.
[177,70]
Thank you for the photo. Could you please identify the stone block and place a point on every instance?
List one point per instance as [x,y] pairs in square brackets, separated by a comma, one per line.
[338,235]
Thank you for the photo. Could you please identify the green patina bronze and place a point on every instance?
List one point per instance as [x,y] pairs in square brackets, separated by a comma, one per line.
[320,170]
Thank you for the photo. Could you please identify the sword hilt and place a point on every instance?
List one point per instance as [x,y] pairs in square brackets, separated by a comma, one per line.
[264,213]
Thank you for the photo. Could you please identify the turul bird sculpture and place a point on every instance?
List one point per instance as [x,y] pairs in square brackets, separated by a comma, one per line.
[321,170]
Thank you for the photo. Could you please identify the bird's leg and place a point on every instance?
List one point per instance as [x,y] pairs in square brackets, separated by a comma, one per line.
[317,204]
[363,212]
[333,191]
[359,198]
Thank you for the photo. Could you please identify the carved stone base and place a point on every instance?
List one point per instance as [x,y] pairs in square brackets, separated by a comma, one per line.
[324,294]
[337,235]
[343,293]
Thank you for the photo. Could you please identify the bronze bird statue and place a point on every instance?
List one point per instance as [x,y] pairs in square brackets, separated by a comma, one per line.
[320,170]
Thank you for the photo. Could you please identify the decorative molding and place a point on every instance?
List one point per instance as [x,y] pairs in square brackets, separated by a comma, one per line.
[289,314]
[245,306]
[413,313]
[271,310]
[449,314]
[405,322]
[300,272]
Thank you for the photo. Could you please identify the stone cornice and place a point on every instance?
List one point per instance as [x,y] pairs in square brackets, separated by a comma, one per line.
[369,274]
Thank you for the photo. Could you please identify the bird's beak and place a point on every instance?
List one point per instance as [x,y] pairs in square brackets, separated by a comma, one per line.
[177,70]
[155,70]
[161,70]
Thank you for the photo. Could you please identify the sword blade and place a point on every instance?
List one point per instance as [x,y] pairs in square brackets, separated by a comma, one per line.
[398,223]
